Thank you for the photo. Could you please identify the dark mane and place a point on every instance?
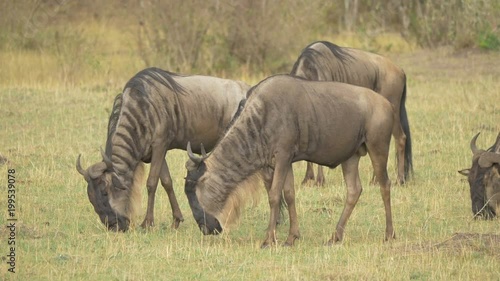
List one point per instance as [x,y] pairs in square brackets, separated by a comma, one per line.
[237,114]
[152,77]
[337,51]
[113,121]
[311,55]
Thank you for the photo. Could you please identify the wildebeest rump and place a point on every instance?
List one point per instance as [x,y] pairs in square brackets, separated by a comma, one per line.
[484,179]
[157,111]
[288,119]
[324,61]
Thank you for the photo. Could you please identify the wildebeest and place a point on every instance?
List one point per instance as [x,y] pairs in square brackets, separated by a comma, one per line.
[324,61]
[157,111]
[484,179]
[288,119]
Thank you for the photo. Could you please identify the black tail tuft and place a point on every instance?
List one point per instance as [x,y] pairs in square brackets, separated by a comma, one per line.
[406,129]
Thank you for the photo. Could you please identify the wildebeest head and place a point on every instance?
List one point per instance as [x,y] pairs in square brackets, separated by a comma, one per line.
[484,179]
[101,180]
[195,169]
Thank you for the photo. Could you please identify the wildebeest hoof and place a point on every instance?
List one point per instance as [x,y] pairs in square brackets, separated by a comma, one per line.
[177,222]
[333,241]
[147,223]
[265,245]
[306,181]
[319,183]
[389,238]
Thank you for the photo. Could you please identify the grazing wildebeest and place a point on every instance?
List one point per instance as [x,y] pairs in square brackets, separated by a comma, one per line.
[324,61]
[156,112]
[484,179]
[288,119]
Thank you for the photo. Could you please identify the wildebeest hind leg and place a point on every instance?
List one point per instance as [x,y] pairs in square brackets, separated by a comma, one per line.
[166,182]
[385,190]
[354,189]
[379,163]
[309,173]
[320,178]
[289,191]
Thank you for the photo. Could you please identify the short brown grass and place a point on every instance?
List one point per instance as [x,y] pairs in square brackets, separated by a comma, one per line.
[46,123]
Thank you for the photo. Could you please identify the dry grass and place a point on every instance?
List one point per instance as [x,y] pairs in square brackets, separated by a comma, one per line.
[46,124]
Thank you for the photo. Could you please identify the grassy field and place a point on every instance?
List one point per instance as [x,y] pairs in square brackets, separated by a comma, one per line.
[451,97]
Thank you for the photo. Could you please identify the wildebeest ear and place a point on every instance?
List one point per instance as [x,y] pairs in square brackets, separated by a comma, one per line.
[97,170]
[464,172]
[487,159]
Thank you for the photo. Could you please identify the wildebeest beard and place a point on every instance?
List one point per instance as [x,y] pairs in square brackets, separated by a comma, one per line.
[206,222]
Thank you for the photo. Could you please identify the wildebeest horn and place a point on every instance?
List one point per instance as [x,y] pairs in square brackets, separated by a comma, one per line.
[487,159]
[106,159]
[191,155]
[473,146]
[80,169]
[203,152]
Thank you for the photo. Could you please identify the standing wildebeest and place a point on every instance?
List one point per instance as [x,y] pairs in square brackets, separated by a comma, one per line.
[484,179]
[157,111]
[288,119]
[324,61]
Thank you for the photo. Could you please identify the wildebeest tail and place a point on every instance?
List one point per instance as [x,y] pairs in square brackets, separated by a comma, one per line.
[406,129]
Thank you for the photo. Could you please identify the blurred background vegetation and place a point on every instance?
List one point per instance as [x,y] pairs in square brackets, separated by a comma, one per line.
[103,43]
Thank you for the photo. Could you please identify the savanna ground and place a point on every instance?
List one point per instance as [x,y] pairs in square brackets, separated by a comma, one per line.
[46,122]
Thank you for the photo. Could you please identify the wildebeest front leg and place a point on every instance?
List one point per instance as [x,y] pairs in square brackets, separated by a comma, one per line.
[274,193]
[166,182]
[289,191]
[353,183]
[157,158]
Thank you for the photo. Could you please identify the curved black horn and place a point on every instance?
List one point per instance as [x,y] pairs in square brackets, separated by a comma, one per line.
[79,166]
[203,152]
[106,159]
[191,155]
[473,146]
